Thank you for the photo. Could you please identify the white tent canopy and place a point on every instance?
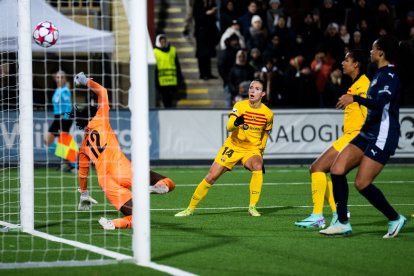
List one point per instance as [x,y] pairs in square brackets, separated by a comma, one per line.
[73,37]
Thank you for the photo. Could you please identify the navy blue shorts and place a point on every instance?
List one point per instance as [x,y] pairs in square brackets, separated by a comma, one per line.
[371,150]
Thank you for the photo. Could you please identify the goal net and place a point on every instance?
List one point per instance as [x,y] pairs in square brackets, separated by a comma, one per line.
[40,224]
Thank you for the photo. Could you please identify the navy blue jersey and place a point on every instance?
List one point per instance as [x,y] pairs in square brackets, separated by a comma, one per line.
[382,123]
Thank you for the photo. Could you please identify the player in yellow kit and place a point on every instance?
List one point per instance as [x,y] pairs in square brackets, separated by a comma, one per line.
[113,168]
[354,117]
[249,122]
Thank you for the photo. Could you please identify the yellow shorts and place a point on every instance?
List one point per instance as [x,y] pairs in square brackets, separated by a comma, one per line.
[339,144]
[230,156]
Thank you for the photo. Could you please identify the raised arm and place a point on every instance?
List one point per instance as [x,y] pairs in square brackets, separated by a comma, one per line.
[99,90]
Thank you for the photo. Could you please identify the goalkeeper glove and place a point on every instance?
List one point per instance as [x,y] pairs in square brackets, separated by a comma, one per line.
[239,121]
[80,78]
[86,201]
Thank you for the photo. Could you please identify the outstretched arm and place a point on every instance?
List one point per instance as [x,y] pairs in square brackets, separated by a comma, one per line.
[99,90]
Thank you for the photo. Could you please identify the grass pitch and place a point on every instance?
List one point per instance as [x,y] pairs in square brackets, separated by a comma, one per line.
[220,238]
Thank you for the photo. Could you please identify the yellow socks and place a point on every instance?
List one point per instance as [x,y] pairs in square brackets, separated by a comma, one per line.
[329,194]
[199,193]
[319,184]
[125,222]
[256,184]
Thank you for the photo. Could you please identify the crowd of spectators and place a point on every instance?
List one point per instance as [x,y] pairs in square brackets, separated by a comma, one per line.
[297,46]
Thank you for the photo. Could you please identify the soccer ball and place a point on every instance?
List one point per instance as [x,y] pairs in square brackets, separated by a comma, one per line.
[45,34]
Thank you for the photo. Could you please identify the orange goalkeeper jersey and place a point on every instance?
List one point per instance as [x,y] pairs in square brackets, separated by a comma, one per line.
[100,143]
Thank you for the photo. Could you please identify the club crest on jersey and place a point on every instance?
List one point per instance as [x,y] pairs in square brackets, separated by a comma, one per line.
[245,126]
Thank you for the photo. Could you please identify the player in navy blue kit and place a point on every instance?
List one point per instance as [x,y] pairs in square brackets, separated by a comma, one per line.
[377,141]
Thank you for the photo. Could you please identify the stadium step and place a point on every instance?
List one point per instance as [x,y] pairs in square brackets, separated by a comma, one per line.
[169,19]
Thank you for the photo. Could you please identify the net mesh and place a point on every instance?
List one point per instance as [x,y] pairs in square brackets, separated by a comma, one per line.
[93,38]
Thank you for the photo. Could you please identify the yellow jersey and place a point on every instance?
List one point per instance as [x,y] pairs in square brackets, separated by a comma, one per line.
[257,121]
[355,114]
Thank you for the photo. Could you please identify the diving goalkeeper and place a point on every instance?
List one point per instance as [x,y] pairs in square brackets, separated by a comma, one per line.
[114,171]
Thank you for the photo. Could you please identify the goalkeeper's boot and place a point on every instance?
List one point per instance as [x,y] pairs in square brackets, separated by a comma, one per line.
[253,211]
[163,186]
[313,221]
[394,227]
[337,229]
[106,224]
[185,213]
[159,188]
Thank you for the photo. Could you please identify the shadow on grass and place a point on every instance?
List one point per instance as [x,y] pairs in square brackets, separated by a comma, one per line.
[272,210]
[220,240]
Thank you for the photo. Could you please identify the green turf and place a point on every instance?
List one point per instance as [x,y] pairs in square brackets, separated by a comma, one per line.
[220,238]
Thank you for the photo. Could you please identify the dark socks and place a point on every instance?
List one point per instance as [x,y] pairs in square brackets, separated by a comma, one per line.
[340,191]
[378,200]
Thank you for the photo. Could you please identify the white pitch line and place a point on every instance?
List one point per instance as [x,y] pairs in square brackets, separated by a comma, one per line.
[274,206]
[67,189]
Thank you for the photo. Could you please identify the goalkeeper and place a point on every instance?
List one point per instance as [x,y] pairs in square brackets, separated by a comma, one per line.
[249,122]
[113,169]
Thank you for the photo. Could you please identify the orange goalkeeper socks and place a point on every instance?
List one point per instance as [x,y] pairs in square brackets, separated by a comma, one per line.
[125,222]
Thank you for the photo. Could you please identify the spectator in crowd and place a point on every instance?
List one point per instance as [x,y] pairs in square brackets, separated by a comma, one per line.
[228,15]
[256,37]
[336,86]
[239,72]
[204,13]
[246,19]
[273,78]
[321,68]
[310,33]
[344,34]
[188,20]
[358,12]
[273,13]
[225,62]
[168,71]
[300,85]
[278,51]
[285,33]
[383,18]
[255,59]
[316,18]
[333,44]
[262,6]
[243,92]
[405,26]
[331,12]
[367,32]
[358,41]
[233,29]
